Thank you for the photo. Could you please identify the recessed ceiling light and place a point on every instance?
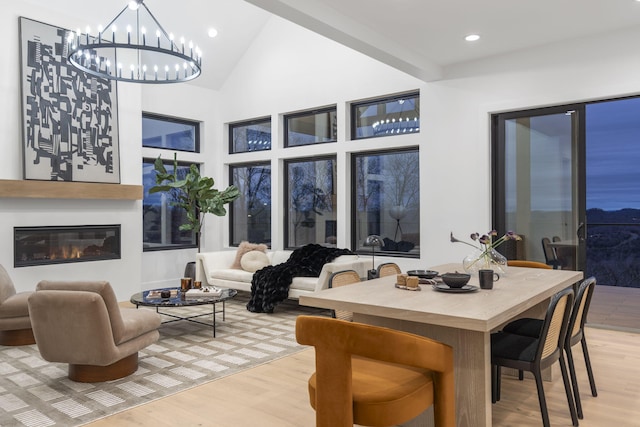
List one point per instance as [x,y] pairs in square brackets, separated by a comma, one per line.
[212,32]
[474,37]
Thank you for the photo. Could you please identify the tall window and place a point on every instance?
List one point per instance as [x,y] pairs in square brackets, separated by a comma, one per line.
[170,133]
[251,213]
[254,135]
[161,220]
[311,127]
[387,116]
[311,201]
[387,200]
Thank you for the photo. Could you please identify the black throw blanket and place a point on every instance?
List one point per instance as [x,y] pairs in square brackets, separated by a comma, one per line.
[270,285]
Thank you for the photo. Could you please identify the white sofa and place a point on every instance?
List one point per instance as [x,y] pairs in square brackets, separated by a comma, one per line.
[213,269]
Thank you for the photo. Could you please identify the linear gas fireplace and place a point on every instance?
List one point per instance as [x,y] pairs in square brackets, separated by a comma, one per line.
[54,245]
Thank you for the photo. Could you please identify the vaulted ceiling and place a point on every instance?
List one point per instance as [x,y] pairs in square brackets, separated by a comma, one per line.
[419,37]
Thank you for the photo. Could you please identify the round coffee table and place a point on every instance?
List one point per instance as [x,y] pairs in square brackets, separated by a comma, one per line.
[177,299]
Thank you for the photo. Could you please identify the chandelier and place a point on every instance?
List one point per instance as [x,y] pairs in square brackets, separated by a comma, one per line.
[125,51]
[394,123]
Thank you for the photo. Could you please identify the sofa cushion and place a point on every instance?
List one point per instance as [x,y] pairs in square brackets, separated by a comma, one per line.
[253,261]
[243,248]
[304,283]
[231,274]
[278,257]
[346,259]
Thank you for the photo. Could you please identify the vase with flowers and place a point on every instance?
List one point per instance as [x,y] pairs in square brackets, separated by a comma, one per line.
[485,255]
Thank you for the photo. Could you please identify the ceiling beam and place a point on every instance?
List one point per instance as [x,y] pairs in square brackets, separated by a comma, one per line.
[317,17]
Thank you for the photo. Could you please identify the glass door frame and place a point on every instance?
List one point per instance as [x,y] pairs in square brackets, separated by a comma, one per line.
[498,162]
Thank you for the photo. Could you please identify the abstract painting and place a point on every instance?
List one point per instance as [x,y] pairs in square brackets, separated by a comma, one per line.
[70,129]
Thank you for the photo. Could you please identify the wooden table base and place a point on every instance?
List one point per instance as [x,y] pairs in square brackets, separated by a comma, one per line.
[17,337]
[95,374]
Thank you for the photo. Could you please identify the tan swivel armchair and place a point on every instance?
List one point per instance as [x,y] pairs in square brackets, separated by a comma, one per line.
[80,323]
[374,376]
[15,324]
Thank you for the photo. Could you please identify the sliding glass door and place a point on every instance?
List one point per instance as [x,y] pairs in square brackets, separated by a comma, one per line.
[538,184]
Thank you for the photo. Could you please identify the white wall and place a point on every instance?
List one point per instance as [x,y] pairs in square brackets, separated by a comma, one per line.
[289,68]
[124,274]
[165,268]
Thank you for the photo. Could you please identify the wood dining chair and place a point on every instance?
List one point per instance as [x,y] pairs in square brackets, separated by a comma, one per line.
[343,278]
[534,354]
[388,269]
[532,328]
[528,264]
[375,376]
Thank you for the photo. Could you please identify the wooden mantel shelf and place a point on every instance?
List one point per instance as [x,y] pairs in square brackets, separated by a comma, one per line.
[25,189]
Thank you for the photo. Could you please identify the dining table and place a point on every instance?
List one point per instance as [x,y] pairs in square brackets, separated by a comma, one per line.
[463,319]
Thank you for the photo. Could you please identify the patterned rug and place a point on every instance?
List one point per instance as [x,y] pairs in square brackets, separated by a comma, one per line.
[36,393]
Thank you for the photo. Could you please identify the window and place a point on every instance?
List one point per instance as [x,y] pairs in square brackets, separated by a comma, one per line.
[388,116]
[251,213]
[170,133]
[387,201]
[310,127]
[311,202]
[253,135]
[160,219]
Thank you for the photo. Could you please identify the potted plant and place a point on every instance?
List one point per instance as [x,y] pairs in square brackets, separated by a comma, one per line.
[193,193]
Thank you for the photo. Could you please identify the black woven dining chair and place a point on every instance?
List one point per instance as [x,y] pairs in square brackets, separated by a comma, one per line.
[534,354]
[575,335]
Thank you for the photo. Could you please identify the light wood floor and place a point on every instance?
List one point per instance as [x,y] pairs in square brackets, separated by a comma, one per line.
[275,394]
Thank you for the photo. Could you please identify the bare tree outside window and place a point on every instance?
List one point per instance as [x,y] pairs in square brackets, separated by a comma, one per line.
[311,202]
[251,212]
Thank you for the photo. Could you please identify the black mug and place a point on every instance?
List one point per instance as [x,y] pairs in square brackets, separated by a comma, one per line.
[487,277]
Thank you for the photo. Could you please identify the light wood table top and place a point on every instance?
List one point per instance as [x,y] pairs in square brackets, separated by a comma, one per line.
[484,310]
[463,320]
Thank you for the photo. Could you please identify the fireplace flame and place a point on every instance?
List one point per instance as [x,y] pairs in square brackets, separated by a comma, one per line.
[67,253]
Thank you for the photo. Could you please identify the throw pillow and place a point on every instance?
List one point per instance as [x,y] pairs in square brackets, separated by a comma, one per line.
[243,248]
[253,261]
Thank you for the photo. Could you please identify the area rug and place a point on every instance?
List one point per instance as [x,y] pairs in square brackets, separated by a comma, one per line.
[36,393]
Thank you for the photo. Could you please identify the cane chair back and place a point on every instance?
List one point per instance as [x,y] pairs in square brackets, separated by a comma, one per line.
[343,278]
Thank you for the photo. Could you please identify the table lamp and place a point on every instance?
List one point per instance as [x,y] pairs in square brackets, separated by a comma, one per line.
[373,240]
